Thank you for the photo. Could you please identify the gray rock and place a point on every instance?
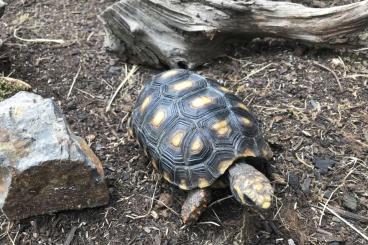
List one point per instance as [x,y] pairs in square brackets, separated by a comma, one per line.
[306,185]
[350,202]
[323,164]
[293,181]
[44,167]
[291,242]
[115,70]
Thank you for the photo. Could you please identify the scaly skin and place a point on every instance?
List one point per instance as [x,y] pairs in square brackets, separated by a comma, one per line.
[196,202]
[250,186]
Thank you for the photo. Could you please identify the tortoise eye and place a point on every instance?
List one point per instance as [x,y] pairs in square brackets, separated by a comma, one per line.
[249,201]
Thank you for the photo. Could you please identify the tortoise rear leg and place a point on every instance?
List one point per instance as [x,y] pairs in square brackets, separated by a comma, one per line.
[195,204]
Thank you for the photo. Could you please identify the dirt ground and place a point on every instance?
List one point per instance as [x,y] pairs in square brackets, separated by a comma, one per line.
[306,117]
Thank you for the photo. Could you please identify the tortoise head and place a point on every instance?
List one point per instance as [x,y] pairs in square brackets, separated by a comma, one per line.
[250,186]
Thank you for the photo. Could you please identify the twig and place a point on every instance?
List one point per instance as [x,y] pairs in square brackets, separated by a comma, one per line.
[354,76]
[346,222]
[278,208]
[252,73]
[329,198]
[10,238]
[151,206]
[38,40]
[208,223]
[74,80]
[220,200]
[303,162]
[362,49]
[70,237]
[347,214]
[163,204]
[332,72]
[89,94]
[127,77]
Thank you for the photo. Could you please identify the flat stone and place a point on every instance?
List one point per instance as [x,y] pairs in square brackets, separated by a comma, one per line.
[293,181]
[306,185]
[44,167]
[323,164]
[350,202]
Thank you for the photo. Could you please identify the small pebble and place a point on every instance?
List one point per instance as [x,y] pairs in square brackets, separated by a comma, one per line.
[165,199]
[146,229]
[306,185]
[291,242]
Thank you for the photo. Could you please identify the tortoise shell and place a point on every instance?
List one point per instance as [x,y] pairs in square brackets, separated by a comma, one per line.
[194,129]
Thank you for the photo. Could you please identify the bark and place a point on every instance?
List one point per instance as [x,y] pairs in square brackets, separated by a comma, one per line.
[2,8]
[4,60]
[190,33]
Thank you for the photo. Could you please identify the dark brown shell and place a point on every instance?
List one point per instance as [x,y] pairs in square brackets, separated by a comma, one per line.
[194,129]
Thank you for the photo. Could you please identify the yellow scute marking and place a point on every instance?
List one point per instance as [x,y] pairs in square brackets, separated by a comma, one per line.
[249,153]
[240,194]
[221,127]
[202,183]
[182,85]
[224,165]
[169,74]
[197,145]
[266,205]
[145,103]
[247,122]
[158,118]
[258,186]
[167,176]
[154,163]
[183,184]
[130,132]
[201,101]
[177,138]
[266,152]
[225,90]
[243,106]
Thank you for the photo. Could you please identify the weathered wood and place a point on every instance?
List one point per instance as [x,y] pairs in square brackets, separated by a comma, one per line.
[190,33]
[4,60]
[2,8]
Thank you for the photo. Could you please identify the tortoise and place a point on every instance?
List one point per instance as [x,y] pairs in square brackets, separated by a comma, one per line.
[200,135]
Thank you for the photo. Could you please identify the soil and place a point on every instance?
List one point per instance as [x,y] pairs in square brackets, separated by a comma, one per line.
[293,89]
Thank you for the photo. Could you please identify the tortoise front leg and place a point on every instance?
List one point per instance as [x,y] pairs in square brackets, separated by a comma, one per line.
[195,204]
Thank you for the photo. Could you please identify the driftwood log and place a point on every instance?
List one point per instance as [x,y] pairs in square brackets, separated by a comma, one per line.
[188,33]
[2,8]
[4,60]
